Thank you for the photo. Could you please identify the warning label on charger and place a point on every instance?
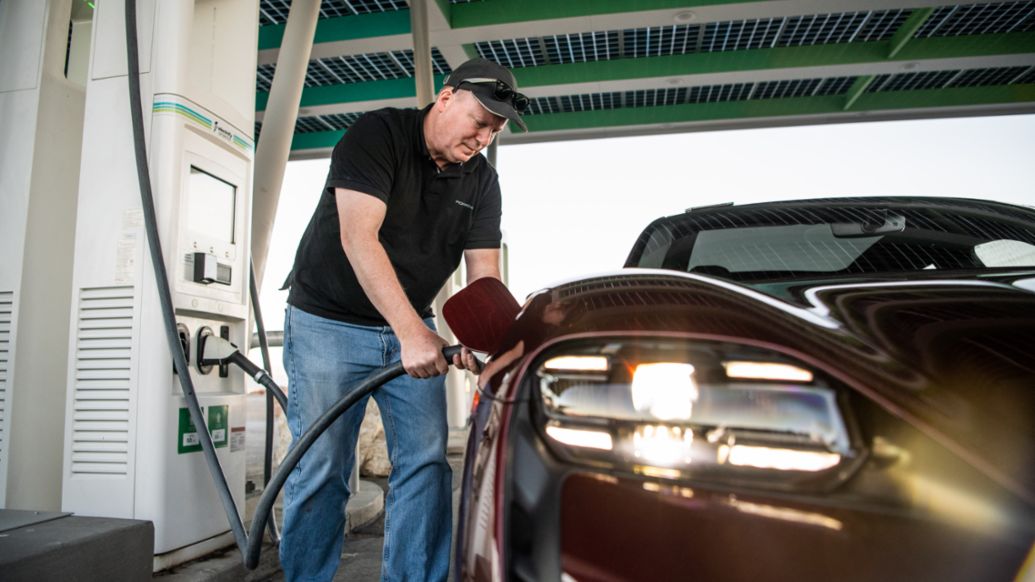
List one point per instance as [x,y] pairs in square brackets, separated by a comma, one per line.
[237,439]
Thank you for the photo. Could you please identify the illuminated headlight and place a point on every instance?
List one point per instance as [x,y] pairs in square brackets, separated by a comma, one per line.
[691,409]
[666,390]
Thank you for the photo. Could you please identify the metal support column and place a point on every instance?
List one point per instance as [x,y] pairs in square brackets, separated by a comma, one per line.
[278,126]
[491,151]
[456,412]
[421,52]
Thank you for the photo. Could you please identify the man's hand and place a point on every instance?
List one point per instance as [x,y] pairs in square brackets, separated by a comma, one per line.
[465,360]
[422,353]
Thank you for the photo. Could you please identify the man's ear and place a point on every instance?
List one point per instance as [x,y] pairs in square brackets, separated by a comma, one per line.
[444,96]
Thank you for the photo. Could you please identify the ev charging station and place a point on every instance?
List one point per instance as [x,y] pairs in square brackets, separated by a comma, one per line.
[130,448]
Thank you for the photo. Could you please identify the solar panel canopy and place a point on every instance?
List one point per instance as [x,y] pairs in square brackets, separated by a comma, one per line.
[602,68]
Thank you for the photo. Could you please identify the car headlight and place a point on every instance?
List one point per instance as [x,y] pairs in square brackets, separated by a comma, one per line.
[691,409]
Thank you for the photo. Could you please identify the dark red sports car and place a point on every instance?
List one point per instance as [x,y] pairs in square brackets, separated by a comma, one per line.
[837,389]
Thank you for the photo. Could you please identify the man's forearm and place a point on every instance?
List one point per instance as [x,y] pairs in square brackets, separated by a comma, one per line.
[380,283]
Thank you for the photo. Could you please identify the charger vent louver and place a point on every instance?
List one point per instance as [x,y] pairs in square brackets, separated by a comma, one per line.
[6,311]
[103,357]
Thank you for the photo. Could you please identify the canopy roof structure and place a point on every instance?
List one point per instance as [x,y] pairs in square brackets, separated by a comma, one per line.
[601,68]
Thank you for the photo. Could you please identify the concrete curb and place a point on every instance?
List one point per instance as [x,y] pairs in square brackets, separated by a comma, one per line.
[364,505]
[225,566]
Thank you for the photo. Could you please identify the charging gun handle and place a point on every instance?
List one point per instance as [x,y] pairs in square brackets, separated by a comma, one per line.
[260,376]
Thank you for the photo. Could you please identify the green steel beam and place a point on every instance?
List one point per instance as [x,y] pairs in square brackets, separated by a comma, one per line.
[700,63]
[343,28]
[827,105]
[493,12]
[905,32]
[446,7]
[783,57]
[856,90]
[468,14]
[353,92]
[315,140]
[761,108]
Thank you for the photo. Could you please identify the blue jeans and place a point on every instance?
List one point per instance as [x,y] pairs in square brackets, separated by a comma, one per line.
[324,359]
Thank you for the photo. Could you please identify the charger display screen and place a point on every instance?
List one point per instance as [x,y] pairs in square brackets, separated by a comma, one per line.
[211,205]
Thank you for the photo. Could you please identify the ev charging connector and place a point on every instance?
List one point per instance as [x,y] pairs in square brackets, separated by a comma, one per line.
[217,351]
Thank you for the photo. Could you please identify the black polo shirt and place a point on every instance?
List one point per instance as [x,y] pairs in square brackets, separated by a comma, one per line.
[432,217]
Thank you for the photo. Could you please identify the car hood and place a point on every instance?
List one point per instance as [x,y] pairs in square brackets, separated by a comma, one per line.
[956,358]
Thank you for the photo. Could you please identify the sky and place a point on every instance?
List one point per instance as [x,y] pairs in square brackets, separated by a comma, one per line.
[575,208]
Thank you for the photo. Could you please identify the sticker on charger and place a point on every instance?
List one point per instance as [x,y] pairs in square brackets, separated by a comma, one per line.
[237,434]
[218,420]
[188,440]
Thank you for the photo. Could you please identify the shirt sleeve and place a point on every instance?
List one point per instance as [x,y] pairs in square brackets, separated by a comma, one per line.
[485,228]
[364,160]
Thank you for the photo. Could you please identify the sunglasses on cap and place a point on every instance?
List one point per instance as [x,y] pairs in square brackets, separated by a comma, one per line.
[502,92]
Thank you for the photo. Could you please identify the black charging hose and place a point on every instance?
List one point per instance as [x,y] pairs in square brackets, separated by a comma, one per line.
[162,281]
[264,349]
[249,544]
[269,495]
[218,351]
[259,375]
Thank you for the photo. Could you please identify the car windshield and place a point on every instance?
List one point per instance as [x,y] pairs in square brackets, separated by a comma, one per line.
[837,237]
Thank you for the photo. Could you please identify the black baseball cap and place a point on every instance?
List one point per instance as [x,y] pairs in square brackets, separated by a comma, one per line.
[493,85]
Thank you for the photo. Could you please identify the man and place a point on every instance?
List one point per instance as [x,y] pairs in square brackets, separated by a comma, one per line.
[407,195]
